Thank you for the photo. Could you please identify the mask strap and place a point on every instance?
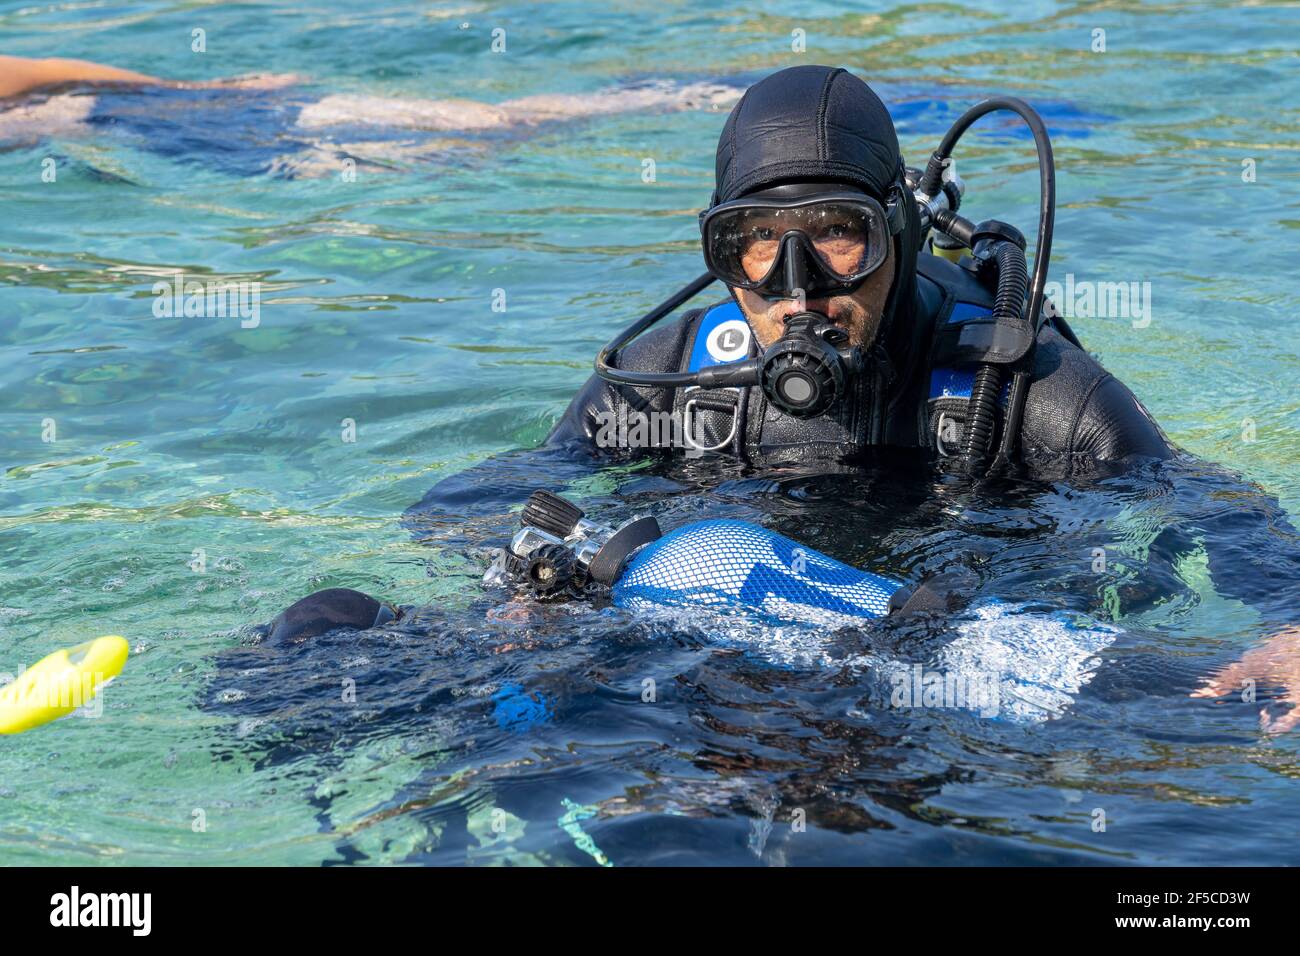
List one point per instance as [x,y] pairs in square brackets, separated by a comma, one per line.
[894,209]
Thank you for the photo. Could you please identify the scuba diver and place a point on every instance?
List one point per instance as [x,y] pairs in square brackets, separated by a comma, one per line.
[814,228]
[864,313]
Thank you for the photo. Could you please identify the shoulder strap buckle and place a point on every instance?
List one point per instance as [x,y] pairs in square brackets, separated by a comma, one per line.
[944,425]
[715,398]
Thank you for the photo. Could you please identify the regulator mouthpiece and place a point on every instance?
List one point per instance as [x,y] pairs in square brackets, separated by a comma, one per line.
[808,369]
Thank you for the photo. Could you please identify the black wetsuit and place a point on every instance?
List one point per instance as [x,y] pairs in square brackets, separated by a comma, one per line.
[1079,418]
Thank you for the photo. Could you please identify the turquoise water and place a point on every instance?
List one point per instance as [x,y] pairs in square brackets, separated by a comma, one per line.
[176,434]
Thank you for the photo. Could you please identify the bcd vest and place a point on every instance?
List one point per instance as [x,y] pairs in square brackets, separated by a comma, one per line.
[741,422]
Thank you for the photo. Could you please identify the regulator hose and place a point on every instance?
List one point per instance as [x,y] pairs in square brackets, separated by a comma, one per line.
[605,367]
[981,415]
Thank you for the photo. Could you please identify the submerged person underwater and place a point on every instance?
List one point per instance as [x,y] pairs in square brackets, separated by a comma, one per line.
[276,124]
[845,334]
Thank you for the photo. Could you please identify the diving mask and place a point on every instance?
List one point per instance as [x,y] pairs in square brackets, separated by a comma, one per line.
[799,241]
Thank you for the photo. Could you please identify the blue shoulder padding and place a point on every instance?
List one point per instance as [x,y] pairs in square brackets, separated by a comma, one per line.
[714,317]
[957,383]
[965,311]
[951,382]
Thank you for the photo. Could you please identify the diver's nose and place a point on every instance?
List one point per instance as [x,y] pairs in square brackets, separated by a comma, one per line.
[796,268]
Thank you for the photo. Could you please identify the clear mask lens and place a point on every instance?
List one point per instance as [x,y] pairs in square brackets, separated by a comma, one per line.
[849,239]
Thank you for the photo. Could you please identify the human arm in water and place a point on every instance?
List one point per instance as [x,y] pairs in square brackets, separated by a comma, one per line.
[1196,527]
[22,75]
[468,509]
[1275,661]
[1253,555]
[1239,531]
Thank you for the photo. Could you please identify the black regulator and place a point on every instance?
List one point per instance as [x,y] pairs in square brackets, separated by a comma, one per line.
[808,368]
[803,373]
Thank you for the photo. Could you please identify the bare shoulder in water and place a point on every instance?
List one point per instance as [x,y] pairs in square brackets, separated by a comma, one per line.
[21,76]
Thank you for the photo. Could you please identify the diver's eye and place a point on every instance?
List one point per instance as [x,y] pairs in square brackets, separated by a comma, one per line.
[837,230]
[763,233]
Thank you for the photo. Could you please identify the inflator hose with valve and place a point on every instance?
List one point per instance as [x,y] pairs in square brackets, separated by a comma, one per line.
[1009,260]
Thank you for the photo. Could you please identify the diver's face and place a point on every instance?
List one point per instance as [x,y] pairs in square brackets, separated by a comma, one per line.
[858,314]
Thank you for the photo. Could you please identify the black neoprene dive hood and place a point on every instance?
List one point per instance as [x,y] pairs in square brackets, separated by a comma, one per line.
[803,124]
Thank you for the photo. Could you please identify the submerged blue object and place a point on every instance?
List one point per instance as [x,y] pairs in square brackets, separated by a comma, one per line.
[240,132]
[518,711]
[737,566]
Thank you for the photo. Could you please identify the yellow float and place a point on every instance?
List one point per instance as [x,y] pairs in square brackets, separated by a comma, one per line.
[58,684]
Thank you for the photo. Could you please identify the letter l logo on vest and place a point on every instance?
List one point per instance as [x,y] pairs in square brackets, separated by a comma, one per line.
[722,336]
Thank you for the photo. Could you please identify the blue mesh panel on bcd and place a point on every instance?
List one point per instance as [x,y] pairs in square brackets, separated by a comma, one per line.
[734,565]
